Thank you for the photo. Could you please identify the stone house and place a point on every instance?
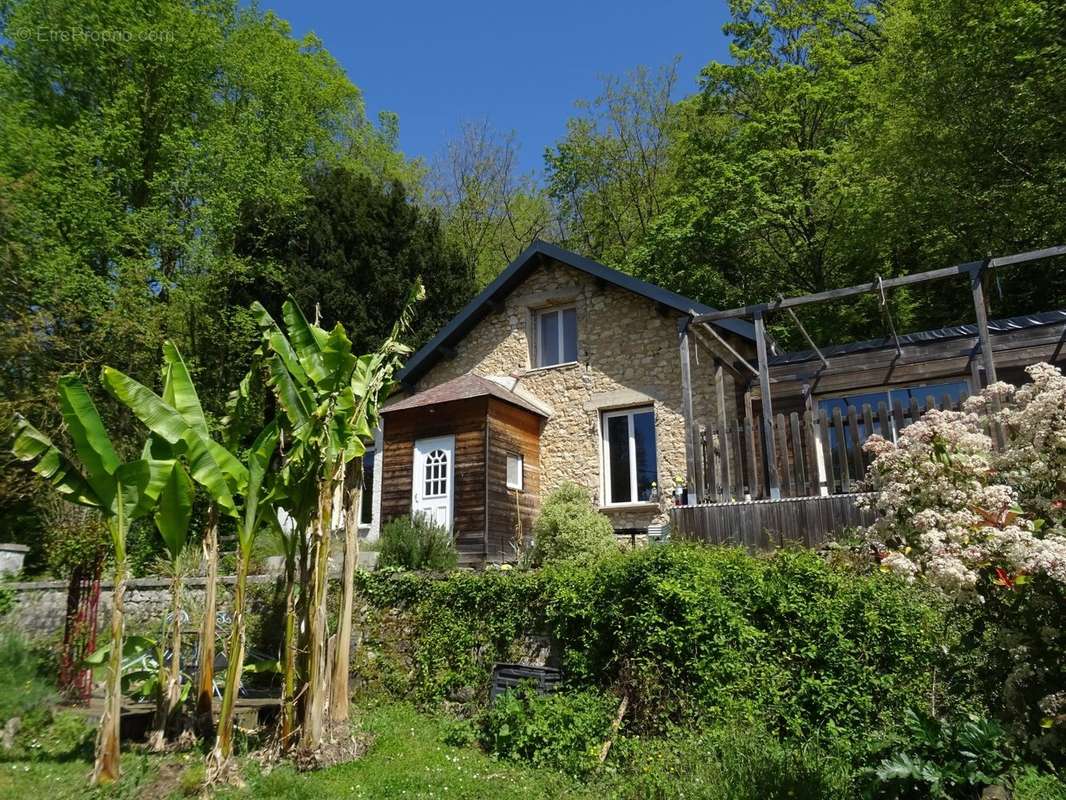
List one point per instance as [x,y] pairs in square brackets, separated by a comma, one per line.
[560,370]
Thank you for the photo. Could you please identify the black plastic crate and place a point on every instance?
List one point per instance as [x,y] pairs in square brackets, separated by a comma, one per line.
[507,676]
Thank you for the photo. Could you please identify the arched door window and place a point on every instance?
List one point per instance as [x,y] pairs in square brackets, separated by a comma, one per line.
[435,480]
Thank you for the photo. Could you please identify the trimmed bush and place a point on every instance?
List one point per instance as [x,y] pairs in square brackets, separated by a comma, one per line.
[570,530]
[417,543]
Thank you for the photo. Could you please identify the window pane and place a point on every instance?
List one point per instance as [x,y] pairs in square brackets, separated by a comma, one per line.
[514,471]
[644,439]
[549,339]
[569,334]
[366,512]
[618,458]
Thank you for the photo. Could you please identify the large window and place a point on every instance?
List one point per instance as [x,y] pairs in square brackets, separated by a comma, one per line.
[955,391]
[366,507]
[556,336]
[629,457]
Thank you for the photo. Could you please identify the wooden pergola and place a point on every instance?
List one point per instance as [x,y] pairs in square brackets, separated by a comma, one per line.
[972,271]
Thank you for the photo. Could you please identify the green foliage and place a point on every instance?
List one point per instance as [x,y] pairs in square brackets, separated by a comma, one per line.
[55,736]
[608,175]
[840,140]
[1019,660]
[416,543]
[125,169]
[951,759]
[73,537]
[570,530]
[1031,784]
[735,762]
[459,626]
[786,639]
[694,633]
[561,730]
[24,684]
[352,231]
[7,600]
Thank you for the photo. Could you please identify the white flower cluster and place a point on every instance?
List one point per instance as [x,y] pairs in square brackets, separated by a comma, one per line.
[952,507]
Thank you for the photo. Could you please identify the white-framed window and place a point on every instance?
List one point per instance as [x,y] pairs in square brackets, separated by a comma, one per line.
[514,471]
[366,501]
[556,336]
[435,480]
[630,459]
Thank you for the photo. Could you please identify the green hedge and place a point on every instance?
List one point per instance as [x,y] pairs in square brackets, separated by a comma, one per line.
[691,633]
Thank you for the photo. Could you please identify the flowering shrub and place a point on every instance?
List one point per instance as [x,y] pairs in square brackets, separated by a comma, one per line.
[985,523]
[957,510]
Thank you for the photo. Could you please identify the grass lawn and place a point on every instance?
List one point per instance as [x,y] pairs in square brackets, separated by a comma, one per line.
[408,759]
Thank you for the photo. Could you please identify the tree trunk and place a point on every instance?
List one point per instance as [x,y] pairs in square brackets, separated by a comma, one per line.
[317,689]
[218,761]
[170,685]
[339,700]
[107,768]
[205,678]
[288,696]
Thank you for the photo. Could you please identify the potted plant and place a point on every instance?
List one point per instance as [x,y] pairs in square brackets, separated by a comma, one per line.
[680,490]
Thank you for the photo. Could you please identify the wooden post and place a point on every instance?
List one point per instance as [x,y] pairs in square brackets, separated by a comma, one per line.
[982,324]
[769,448]
[723,423]
[691,432]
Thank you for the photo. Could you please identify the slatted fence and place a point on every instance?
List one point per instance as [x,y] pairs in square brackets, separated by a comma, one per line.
[818,453]
[766,524]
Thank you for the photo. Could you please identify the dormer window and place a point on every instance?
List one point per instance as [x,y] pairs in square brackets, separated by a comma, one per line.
[556,332]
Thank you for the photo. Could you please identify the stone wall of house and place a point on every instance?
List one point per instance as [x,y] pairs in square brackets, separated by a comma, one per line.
[627,356]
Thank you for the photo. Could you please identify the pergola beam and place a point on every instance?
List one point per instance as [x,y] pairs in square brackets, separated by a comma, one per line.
[807,336]
[889,283]
[730,349]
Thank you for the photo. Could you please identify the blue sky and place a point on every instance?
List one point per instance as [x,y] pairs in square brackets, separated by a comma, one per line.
[520,65]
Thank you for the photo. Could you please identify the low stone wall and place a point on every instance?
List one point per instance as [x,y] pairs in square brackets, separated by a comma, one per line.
[40,607]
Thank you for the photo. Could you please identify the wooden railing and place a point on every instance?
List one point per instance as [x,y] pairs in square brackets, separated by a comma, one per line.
[768,524]
[819,452]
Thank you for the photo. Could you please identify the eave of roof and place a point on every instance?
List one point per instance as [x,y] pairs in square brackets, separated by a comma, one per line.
[516,271]
[463,387]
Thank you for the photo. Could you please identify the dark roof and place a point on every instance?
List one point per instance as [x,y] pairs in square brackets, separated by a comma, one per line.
[462,388]
[925,337]
[517,270]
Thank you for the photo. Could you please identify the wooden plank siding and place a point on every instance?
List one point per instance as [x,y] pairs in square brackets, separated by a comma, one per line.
[464,419]
[511,430]
[484,512]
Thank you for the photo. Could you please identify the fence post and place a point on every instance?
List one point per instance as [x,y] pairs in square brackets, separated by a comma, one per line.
[769,448]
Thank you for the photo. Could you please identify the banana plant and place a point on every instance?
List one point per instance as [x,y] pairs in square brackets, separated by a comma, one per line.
[178,419]
[120,492]
[172,518]
[258,511]
[330,399]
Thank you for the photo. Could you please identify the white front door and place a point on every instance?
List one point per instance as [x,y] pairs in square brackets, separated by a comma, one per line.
[433,479]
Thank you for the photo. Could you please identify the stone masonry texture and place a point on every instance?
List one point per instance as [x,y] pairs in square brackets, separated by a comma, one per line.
[627,348]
